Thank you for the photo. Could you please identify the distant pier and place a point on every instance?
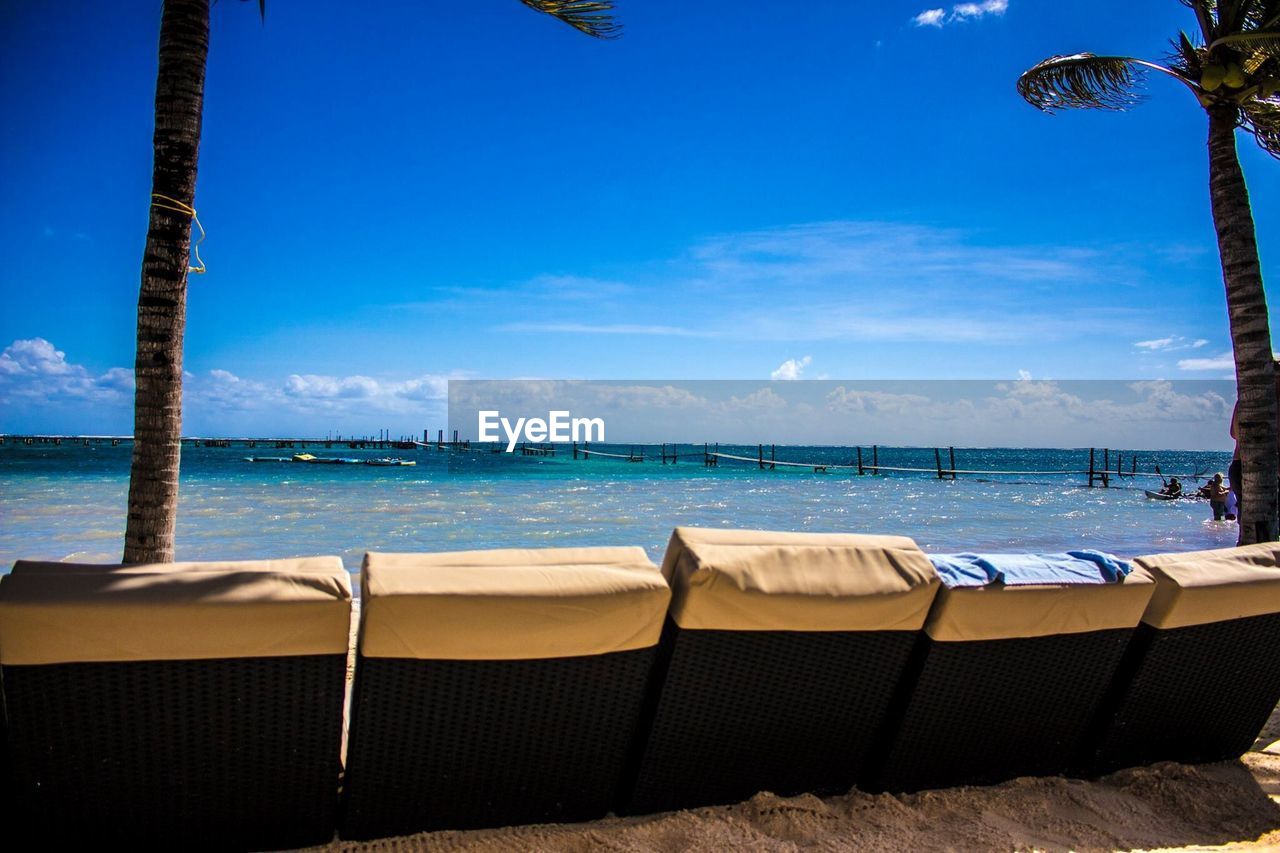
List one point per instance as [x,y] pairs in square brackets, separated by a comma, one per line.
[1101,468]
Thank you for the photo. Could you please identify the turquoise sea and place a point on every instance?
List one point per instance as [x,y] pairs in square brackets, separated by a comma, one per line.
[68,501]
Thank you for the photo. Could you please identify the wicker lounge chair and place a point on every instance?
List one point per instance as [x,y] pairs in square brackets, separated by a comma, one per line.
[1007,679]
[1203,672]
[778,661]
[163,706]
[497,687]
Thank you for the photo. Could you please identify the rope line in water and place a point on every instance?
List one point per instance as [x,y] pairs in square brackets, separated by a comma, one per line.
[870,467]
[614,455]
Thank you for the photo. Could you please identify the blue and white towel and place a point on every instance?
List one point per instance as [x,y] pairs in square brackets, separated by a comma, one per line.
[958,570]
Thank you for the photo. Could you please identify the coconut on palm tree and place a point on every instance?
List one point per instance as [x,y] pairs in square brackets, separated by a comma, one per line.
[1232,69]
[162,299]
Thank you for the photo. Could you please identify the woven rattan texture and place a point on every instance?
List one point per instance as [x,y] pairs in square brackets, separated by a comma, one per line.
[746,711]
[1194,694]
[439,744]
[985,711]
[222,754]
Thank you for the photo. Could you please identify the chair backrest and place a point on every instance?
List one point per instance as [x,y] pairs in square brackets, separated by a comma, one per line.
[172,705]
[497,687]
[1202,675]
[781,653]
[1008,679]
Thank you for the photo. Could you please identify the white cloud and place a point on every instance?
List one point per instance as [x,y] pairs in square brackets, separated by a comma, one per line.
[41,390]
[1173,343]
[1225,361]
[34,357]
[964,11]
[35,371]
[961,12]
[328,387]
[792,368]
[1024,375]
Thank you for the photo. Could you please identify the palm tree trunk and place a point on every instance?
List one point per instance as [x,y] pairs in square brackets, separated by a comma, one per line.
[1250,329]
[162,300]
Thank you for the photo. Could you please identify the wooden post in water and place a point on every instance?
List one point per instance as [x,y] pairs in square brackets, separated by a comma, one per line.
[952,451]
[706,455]
[575,450]
[861,470]
[761,455]
[773,457]
[1091,474]
[875,459]
[937,457]
[1133,471]
[1106,467]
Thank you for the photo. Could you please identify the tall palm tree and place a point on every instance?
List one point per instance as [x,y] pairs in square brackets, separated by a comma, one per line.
[1233,70]
[162,299]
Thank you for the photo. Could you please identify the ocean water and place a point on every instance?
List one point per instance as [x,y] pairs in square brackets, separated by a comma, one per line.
[68,502]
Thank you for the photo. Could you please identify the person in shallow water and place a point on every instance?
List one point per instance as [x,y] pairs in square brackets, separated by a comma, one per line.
[1216,491]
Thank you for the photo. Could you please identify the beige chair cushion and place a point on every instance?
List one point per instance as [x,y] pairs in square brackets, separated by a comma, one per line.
[173,615]
[510,604]
[1006,612]
[1200,587]
[743,580]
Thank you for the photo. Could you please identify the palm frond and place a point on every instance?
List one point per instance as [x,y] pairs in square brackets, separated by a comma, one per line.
[593,17]
[1262,119]
[1204,10]
[1186,57]
[1252,42]
[1083,81]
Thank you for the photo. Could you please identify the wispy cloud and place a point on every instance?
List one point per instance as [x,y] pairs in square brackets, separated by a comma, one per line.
[792,368]
[1173,343]
[847,280]
[960,12]
[606,329]
[1225,361]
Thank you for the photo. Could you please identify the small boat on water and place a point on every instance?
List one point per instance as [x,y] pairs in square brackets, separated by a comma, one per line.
[1161,496]
[331,460]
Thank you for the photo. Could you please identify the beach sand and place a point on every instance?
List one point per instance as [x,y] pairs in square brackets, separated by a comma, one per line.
[1230,805]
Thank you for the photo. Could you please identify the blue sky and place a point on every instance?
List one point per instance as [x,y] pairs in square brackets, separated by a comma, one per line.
[399,195]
